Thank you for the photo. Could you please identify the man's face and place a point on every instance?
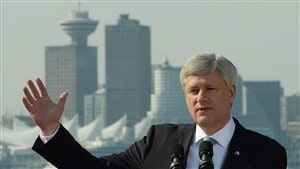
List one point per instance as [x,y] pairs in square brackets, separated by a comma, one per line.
[209,100]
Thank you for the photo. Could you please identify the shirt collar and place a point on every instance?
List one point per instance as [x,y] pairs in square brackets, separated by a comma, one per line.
[223,136]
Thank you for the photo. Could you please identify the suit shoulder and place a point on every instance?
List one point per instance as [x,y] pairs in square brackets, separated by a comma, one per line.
[166,130]
[252,138]
[262,140]
[170,126]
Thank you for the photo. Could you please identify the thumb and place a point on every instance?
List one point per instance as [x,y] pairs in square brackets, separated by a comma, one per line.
[62,99]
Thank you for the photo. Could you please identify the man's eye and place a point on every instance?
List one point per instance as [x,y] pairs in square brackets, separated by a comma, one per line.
[211,88]
[194,91]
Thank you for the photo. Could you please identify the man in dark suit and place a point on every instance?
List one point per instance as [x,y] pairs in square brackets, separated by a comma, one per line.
[209,85]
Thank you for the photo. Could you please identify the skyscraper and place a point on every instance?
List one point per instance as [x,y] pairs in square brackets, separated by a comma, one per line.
[167,101]
[94,105]
[263,101]
[128,73]
[293,108]
[73,67]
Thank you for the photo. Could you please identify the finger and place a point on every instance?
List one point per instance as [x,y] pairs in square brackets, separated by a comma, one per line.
[29,98]
[26,104]
[33,89]
[42,87]
[62,99]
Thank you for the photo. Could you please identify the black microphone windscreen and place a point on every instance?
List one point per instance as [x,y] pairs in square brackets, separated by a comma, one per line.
[206,146]
[206,154]
[177,157]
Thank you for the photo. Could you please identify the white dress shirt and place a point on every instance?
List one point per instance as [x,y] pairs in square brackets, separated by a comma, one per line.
[222,138]
[45,139]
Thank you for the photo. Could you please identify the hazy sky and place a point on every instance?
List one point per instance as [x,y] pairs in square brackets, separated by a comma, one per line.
[260,38]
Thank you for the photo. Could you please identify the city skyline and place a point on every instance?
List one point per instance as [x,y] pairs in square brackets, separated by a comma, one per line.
[255,36]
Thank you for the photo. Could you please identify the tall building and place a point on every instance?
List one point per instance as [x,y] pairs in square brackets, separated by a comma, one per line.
[293,108]
[263,100]
[128,85]
[73,67]
[94,105]
[167,101]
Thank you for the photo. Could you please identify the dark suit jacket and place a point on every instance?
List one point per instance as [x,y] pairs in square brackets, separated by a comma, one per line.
[247,150]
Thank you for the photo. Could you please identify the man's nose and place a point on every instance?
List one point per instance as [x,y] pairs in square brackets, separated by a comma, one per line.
[202,96]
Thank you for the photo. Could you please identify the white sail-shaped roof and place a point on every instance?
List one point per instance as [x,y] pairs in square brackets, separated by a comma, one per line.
[118,131]
[142,127]
[113,131]
[72,126]
[91,131]
[127,135]
[23,138]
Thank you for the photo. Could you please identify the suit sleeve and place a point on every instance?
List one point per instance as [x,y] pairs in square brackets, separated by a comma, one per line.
[282,158]
[64,152]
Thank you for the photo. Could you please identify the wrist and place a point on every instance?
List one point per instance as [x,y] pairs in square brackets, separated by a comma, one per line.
[47,138]
[49,130]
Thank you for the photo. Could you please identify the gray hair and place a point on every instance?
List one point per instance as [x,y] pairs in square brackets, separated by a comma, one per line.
[204,64]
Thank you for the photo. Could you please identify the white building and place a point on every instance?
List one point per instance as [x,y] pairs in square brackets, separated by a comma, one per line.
[95,105]
[167,101]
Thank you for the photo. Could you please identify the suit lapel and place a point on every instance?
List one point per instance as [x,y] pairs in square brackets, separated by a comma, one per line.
[235,153]
[186,135]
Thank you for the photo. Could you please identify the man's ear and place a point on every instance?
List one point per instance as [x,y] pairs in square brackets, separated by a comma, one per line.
[232,93]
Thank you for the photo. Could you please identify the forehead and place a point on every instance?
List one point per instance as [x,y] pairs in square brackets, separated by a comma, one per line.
[209,79]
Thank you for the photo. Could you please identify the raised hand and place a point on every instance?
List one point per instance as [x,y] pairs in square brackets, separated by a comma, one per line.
[43,111]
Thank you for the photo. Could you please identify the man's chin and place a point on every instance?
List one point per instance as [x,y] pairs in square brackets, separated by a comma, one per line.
[202,121]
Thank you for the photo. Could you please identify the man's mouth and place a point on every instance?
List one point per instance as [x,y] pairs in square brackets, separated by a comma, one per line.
[203,108]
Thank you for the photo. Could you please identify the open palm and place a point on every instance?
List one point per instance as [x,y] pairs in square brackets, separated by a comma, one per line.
[43,111]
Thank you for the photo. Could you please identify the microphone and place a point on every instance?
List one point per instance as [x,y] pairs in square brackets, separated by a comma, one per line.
[206,154]
[177,157]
